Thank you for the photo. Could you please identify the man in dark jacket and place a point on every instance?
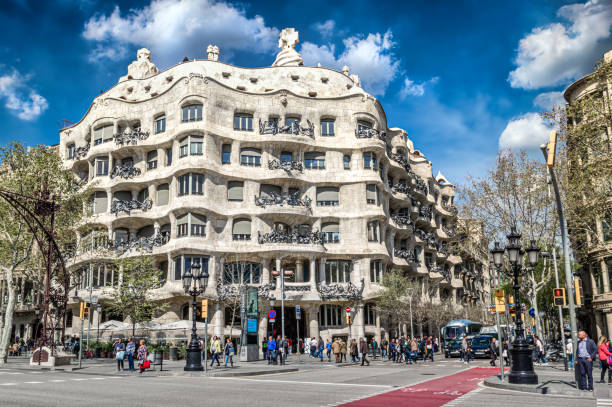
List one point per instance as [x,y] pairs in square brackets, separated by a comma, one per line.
[363,349]
[585,355]
[493,350]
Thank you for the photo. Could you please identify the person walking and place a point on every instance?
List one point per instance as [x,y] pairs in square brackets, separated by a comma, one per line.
[284,349]
[271,350]
[328,349]
[228,350]
[604,355]
[130,350]
[414,350]
[569,352]
[354,351]
[539,351]
[586,352]
[464,347]
[143,352]
[429,348]
[383,348]
[493,349]
[321,348]
[363,350]
[374,348]
[215,349]
[342,350]
[119,354]
[336,349]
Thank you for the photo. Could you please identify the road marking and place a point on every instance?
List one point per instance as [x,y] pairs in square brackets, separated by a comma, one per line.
[461,399]
[604,402]
[385,386]
[79,380]
[98,378]
[57,381]
[8,384]
[32,382]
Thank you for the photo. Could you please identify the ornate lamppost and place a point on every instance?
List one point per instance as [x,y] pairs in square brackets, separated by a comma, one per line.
[521,371]
[194,283]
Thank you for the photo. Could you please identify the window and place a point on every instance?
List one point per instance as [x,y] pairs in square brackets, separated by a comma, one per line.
[160,124]
[99,202]
[143,194]
[127,162]
[235,190]
[376,271]
[371,194]
[226,153]
[417,255]
[293,125]
[314,160]
[168,157]
[146,231]
[192,113]
[250,156]
[429,259]
[363,126]
[347,162]
[327,128]
[338,271]
[243,122]
[331,232]
[103,133]
[267,191]
[101,164]
[122,235]
[370,314]
[369,161]
[191,184]
[152,160]
[163,194]
[606,228]
[191,145]
[241,273]
[241,229]
[373,231]
[328,196]
[191,224]
[286,156]
[71,148]
[184,262]
[330,315]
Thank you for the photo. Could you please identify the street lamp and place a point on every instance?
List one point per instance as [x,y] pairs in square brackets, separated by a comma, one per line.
[194,283]
[522,365]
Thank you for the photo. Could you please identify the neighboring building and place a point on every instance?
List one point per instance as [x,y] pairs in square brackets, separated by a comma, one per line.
[254,171]
[27,314]
[596,265]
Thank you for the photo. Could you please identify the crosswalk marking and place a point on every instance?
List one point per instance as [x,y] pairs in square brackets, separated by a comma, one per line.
[604,402]
[78,380]
[8,384]
[33,382]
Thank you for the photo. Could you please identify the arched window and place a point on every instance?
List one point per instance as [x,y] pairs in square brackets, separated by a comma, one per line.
[241,273]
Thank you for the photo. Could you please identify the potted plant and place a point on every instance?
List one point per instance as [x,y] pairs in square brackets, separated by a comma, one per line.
[182,352]
[109,350]
[166,351]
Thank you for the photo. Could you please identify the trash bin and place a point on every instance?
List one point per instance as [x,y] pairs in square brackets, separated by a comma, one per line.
[173,353]
[158,358]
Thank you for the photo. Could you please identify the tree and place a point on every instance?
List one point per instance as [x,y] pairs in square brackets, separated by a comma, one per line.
[583,162]
[133,298]
[25,171]
[514,193]
[397,297]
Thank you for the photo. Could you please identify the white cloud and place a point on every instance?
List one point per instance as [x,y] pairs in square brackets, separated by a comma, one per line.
[411,88]
[548,100]
[371,58]
[560,52]
[175,28]
[19,98]
[528,131]
[326,28]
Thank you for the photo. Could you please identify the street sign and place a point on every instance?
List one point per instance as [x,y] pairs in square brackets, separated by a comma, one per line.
[252,325]
[500,301]
[348,310]
[272,320]
[298,312]
[272,315]
[532,312]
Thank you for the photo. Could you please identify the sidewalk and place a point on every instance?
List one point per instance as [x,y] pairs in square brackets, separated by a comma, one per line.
[552,380]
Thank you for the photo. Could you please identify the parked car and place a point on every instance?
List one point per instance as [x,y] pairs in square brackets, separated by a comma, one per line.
[481,345]
[453,349]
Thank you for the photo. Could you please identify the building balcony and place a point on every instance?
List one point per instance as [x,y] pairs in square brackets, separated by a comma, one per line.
[421,187]
[340,291]
[370,133]
[401,189]
[130,205]
[125,171]
[130,136]
[272,127]
[405,254]
[288,166]
[144,243]
[402,220]
[291,238]
[401,160]
[289,199]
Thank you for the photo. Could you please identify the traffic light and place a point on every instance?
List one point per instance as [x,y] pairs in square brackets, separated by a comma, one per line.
[204,313]
[500,303]
[82,310]
[559,295]
[86,312]
[348,320]
[552,149]
[578,290]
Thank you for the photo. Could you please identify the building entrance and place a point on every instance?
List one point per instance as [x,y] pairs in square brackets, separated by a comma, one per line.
[291,325]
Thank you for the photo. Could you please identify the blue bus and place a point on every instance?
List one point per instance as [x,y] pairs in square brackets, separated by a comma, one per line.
[453,332]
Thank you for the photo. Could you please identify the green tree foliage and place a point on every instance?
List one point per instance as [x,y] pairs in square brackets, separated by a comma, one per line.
[134,298]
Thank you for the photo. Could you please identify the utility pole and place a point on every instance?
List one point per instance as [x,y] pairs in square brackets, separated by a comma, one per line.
[549,155]
[554,256]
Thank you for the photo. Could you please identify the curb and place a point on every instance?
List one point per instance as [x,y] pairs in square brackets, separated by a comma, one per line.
[544,390]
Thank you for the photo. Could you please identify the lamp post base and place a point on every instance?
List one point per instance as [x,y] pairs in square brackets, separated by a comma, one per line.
[194,359]
[522,365]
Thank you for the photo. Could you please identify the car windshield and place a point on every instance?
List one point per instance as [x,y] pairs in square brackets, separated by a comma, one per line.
[480,341]
[455,331]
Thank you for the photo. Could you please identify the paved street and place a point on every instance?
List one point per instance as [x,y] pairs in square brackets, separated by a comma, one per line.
[445,382]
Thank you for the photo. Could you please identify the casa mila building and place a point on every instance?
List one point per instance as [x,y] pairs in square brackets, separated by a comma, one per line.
[256,173]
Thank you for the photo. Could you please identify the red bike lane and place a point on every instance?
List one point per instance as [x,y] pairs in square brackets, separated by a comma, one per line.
[432,393]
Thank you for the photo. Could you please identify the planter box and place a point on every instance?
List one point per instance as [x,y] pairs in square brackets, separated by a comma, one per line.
[166,356]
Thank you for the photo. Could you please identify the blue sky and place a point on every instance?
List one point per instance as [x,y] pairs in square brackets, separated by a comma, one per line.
[464,78]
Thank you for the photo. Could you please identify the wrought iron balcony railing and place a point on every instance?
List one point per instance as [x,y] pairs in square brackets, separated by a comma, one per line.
[348,291]
[405,254]
[450,232]
[402,220]
[426,212]
[291,238]
[370,133]
[128,136]
[286,165]
[401,188]
[403,161]
[278,199]
[130,205]
[421,186]
[81,152]
[125,171]
[272,127]
[145,243]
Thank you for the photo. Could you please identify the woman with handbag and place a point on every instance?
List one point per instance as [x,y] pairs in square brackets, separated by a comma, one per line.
[604,354]
[142,356]
[119,354]
[229,352]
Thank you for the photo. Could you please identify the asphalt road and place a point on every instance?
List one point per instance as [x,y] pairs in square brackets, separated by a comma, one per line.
[325,385]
